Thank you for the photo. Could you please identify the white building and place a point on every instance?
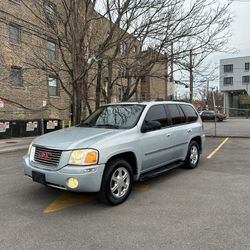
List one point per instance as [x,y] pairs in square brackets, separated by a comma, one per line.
[234,83]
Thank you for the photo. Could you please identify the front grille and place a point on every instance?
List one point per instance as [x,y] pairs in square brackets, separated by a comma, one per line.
[47,156]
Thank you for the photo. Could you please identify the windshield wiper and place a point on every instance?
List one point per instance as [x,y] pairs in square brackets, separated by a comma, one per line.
[108,126]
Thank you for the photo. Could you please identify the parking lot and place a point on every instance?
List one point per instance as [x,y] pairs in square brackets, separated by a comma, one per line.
[205,208]
[231,127]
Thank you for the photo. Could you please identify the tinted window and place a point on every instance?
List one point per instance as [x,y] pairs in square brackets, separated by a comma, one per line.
[191,115]
[157,113]
[176,114]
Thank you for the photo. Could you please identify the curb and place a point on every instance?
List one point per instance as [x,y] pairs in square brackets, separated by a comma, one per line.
[230,136]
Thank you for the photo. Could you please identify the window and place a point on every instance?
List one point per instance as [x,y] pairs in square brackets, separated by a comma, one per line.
[120,94]
[228,68]
[53,86]
[16,76]
[134,50]
[51,50]
[115,116]
[122,47]
[228,80]
[157,113]
[247,66]
[15,1]
[190,113]
[176,114]
[245,79]
[49,9]
[14,34]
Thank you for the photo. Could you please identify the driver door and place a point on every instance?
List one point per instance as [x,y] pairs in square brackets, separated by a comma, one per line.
[156,146]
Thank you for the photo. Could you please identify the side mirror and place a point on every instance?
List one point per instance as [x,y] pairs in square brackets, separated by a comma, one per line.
[150,126]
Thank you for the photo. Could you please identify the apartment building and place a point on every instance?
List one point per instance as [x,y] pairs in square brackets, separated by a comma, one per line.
[29,96]
[234,83]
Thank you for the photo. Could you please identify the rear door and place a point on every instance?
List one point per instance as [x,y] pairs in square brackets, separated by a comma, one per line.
[157,146]
[180,131]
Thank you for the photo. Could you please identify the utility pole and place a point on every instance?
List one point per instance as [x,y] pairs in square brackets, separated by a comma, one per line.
[166,76]
[207,92]
[172,63]
[191,77]
[215,113]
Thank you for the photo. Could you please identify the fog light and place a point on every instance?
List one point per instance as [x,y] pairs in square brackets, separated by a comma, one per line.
[72,183]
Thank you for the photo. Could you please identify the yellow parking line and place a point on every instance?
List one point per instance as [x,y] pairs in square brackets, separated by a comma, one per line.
[67,200]
[140,187]
[218,148]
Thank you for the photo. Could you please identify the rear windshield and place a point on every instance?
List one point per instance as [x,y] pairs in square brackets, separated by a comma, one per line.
[115,116]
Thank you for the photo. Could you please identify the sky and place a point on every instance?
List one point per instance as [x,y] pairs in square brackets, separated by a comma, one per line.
[240,30]
[239,40]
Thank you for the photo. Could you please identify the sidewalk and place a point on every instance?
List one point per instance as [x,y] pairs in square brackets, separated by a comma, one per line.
[14,144]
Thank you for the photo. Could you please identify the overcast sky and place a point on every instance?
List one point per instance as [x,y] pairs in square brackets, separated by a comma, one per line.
[240,39]
[240,29]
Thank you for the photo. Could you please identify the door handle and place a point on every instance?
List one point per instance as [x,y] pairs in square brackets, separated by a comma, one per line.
[189,130]
[168,135]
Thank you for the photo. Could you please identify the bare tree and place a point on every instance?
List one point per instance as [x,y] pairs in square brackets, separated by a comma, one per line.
[96,39]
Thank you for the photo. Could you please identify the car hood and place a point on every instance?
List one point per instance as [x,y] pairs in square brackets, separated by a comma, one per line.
[74,138]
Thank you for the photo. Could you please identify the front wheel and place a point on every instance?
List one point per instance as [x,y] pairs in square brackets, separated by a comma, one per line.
[193,155]
[117,182]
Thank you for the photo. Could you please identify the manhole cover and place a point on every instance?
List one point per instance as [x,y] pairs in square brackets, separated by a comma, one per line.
[11,142]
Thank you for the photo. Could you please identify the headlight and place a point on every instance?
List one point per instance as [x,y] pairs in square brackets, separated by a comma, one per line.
[83,157]
[30,147]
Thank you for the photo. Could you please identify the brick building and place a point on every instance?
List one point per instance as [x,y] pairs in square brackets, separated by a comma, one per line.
[28,94]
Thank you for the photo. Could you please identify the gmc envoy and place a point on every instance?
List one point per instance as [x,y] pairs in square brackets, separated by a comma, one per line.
[115,146]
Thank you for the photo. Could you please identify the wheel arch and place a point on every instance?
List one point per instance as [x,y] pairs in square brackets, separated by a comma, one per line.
[130,157]
[199,142]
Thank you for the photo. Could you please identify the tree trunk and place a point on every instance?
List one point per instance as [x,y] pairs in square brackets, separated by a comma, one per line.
[98,84]
[110,77]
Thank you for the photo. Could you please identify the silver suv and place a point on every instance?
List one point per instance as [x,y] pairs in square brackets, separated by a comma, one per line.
[115,146]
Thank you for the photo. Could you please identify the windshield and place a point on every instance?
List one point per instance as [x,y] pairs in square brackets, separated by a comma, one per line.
[115,116]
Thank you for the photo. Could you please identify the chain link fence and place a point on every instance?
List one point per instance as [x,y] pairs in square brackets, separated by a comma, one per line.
[222,122]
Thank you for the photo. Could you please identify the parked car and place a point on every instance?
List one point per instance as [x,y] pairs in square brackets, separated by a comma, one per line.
[115,146]
[207,115]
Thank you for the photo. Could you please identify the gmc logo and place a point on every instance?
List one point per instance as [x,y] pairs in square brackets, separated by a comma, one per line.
[44,155]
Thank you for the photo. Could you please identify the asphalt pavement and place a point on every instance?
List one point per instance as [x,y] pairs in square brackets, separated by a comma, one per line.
[14,144]
[228,128]
[204,208]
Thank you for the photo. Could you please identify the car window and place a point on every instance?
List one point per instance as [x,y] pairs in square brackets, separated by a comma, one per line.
[176,114]
[157,113]
[191,115]
[115,116]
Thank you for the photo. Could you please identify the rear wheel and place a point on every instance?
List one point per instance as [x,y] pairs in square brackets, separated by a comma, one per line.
[117,182]
[193,155]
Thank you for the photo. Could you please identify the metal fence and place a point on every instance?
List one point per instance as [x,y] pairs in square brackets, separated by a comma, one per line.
[235,124]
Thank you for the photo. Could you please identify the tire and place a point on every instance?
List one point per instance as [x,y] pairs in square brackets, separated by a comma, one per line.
[116,168]
[193,155]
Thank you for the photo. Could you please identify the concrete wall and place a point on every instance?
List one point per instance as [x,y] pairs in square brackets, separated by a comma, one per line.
[237,74]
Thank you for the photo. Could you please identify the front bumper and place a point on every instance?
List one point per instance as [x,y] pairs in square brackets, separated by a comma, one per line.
[89,178]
